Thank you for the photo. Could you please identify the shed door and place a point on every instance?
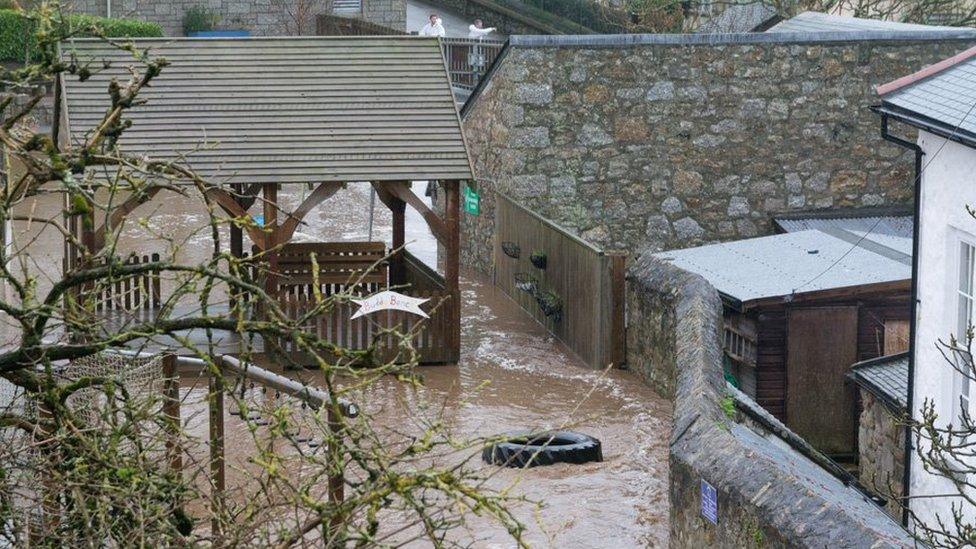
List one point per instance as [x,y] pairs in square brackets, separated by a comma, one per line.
[821,347]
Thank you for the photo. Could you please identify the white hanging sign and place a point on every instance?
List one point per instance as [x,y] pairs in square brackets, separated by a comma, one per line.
[390,300]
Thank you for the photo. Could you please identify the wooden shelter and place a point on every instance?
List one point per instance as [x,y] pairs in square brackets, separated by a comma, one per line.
[255,114]
[800,309]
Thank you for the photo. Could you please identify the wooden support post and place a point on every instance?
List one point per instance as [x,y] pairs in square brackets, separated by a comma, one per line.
[336,478]
[452,263]
[171,411]
[236,233]
[217,472]
[618,333]
[270,207]
[397,268]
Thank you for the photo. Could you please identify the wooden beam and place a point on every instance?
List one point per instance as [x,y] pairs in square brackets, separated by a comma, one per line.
[397,266]
[120,213]
[229,204]
[319,195]
[437,225]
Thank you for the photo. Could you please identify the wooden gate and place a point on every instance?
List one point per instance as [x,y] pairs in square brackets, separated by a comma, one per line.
[361,267]
[586,282]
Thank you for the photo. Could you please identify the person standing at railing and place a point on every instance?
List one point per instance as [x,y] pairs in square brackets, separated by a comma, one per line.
[434,27]
[476,58]
[478,30]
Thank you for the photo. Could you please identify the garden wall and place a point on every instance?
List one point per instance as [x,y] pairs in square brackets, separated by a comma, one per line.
[767,493]
[676,140]
[260,17]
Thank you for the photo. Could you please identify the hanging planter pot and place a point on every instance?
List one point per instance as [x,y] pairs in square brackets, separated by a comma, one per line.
[511,249]
[551,304]
[526,282]
[538,259]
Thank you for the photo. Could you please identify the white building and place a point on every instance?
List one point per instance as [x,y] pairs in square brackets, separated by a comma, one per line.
[940,101]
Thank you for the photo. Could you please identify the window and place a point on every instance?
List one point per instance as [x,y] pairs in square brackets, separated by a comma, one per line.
[964,320]
[347,6]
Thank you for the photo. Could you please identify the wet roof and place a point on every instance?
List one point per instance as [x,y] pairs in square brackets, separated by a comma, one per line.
[799,262]
[942,96]
[813,21]
[287,110]
[885,377]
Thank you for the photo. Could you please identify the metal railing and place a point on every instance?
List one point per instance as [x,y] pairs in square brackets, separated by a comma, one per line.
[468,59]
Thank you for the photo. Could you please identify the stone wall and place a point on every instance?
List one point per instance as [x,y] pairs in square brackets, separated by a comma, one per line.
[676,140]
[881,449]
[260,17]
[769,495]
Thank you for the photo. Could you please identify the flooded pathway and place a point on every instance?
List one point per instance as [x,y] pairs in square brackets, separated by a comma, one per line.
[512,376]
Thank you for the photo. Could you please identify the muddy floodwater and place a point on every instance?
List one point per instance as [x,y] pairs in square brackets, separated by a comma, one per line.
[512,376]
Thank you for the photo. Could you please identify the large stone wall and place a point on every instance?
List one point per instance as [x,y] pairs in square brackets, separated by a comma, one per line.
[769,494]
[676,140]
[881,450]
[260,17]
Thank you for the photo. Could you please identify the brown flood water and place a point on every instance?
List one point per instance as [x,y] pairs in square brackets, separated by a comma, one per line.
[512,376]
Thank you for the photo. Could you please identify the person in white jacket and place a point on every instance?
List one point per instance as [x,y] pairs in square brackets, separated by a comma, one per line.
[434,27]
[478,30]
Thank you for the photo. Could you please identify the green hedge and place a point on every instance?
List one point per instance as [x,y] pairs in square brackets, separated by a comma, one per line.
[17,31]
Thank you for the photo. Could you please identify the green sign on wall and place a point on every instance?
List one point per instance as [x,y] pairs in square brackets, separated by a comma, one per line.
[472,201]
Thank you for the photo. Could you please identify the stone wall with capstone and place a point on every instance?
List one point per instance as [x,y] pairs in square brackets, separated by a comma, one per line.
[768,494]
[260,17]
[676,140]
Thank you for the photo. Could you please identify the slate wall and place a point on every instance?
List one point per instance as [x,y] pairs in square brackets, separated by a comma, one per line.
[261,17]
[676,140]
[768,494]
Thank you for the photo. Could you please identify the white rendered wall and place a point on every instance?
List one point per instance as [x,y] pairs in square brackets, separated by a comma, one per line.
[948,186]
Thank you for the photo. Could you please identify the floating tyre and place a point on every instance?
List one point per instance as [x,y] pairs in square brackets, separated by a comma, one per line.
[550,304]
[526,282]
[548,448]
[511,249]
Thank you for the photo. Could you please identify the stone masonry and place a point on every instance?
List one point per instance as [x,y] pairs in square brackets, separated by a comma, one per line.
[768,494]
[881,448]
[260,17]
[677,140]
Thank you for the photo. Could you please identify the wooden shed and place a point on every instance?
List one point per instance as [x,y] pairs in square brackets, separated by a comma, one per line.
[260,113]
[800,309]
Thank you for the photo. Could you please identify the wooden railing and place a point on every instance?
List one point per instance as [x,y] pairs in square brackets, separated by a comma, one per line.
[468,59]
[578,294]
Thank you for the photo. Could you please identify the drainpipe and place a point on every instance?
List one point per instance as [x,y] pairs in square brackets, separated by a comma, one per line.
[108,8]
[907,476]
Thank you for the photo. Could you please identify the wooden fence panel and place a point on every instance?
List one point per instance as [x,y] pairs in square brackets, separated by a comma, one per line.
[588,282]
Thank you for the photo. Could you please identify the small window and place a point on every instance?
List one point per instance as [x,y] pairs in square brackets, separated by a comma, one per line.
[347,6]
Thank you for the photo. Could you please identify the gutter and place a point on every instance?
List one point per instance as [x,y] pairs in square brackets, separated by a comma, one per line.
[910,403]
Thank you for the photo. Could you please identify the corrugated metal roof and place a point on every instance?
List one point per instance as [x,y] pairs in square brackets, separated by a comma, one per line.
[813,21]
[886,377]
[287,110]
[890,225]
[947,97]
[778,265]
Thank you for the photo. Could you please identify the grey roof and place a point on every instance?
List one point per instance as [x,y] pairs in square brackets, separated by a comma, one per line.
[886,377]
[873,226]
[813,21]
[947,97]
[287,110]
[739,18]
[800,262]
